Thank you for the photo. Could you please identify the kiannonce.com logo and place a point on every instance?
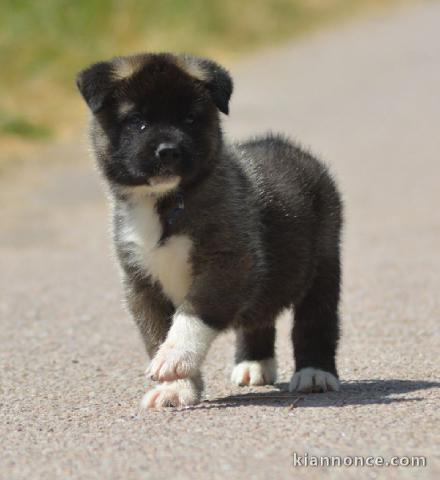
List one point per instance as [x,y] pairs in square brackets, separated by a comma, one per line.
[308,460]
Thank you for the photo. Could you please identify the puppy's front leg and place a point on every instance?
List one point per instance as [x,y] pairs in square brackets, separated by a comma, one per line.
[185,347]
[150,310]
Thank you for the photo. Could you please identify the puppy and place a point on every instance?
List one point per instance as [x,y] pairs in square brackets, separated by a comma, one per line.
[213,236]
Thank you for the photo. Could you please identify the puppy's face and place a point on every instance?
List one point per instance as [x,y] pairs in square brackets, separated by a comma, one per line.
[155,118]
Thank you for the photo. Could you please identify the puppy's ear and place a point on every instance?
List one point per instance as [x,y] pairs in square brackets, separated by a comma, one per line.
[216,78]
[219,83]
[96,84]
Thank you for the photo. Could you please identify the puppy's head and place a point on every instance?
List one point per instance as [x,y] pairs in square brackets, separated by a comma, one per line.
[155,117]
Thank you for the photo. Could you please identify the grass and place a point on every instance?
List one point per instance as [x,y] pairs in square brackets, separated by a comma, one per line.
[19,126]
[44,44]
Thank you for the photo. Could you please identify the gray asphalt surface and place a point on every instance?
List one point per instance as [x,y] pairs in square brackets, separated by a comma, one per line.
[365,96]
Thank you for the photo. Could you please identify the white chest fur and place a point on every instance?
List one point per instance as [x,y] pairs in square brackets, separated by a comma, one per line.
[167,264]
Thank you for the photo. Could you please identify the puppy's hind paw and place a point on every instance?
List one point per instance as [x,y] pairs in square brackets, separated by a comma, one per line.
[310,379]
[254,372]
[179,393]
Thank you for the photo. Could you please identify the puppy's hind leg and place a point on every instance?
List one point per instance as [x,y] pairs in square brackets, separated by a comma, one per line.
[254,359]
[316,332]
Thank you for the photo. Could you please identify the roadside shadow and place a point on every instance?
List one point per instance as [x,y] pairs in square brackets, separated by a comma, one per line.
[361,392]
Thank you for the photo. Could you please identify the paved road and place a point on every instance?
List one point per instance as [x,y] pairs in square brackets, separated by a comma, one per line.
[366,97]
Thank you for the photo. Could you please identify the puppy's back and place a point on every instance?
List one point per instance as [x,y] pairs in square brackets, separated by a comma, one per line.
[299,205]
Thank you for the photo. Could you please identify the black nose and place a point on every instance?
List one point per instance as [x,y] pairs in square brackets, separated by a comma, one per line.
[168,153]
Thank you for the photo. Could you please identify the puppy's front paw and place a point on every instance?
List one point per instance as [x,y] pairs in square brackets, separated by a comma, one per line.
[172,363]
[180,393]
[255,372]
[311,379]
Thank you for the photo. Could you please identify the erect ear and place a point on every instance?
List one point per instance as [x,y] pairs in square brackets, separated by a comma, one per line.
[96,84]
[216,79]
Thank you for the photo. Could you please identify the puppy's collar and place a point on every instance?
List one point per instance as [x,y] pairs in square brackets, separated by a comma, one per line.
[172,212]
[175,212]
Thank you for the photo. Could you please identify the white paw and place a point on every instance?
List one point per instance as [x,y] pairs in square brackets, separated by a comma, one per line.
[313,380]
[256,372]
[172,363]
[184,349]
[180,393]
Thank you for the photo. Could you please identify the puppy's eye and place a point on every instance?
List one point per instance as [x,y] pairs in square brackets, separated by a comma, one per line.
[136,122]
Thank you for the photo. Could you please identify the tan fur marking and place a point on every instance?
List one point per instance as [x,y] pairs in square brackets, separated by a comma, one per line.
[125,67]
[125,107]
[191,68]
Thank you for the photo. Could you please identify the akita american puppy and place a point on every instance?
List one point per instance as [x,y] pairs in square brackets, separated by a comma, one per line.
[212,236]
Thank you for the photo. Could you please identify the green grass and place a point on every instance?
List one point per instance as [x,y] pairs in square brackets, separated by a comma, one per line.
[19,126]
[44,43]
